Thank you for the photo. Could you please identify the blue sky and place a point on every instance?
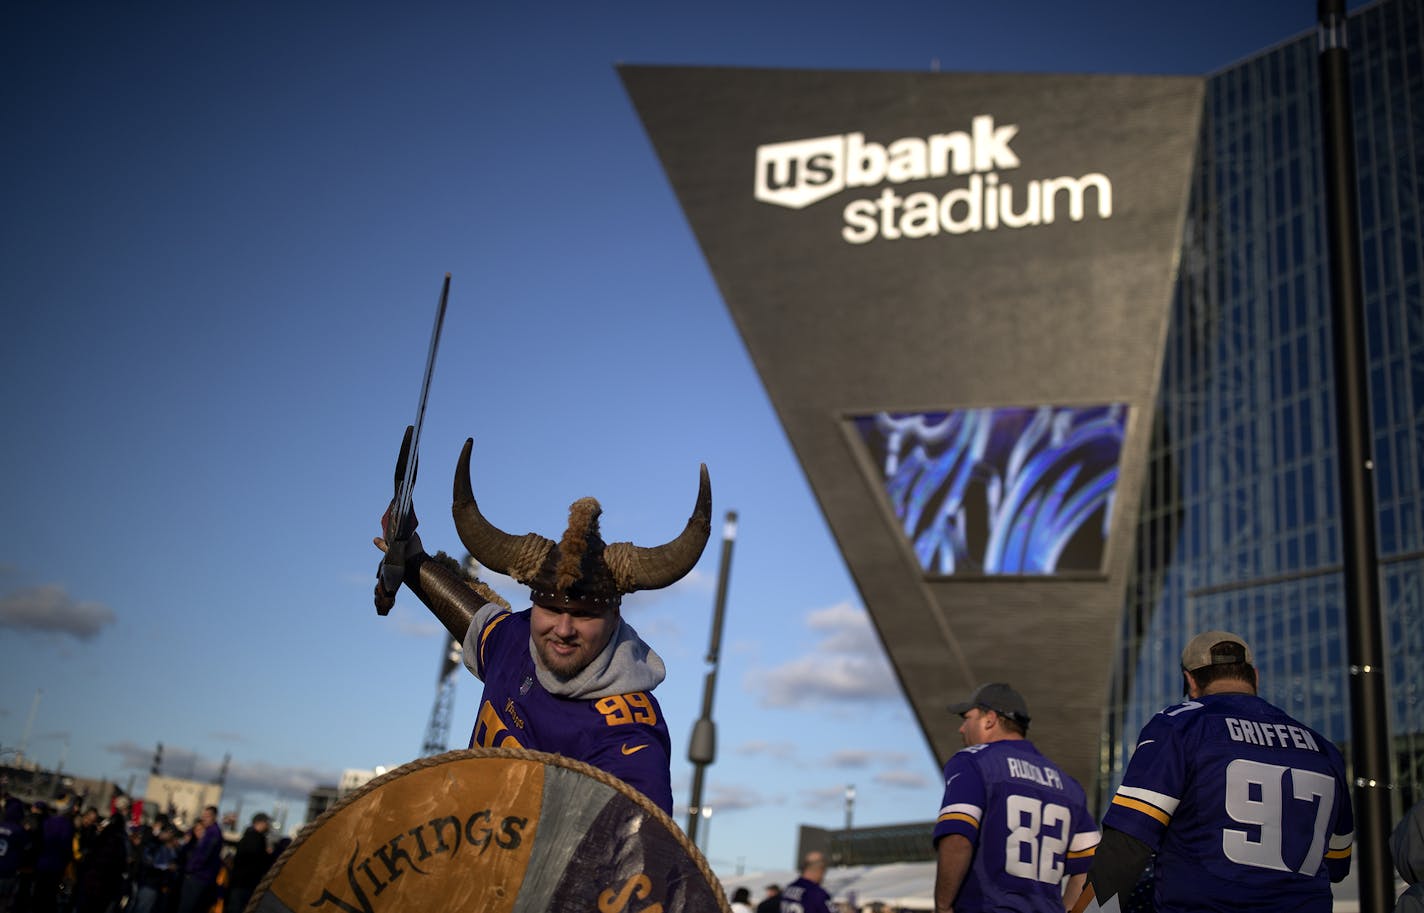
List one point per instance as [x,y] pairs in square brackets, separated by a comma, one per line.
[223,230]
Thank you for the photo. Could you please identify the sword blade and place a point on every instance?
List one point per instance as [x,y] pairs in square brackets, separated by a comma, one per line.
[407,486]
[392,569]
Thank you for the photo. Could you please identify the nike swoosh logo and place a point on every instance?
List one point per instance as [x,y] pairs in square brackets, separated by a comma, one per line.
[634,750]
[1148,742]
[949,781]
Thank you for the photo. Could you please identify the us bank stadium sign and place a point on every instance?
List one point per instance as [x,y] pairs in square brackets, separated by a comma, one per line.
[973,197]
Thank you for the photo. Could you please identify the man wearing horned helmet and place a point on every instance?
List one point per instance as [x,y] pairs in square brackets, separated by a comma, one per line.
[567,675]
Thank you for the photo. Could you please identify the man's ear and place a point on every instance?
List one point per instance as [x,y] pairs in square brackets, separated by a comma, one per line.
[1193,690]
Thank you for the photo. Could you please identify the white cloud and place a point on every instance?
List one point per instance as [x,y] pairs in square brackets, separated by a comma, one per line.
[816,679]
[228,735]
[903,779]
[242,776]
[824,797]
[780,751]
[847,665]
[723,799]
[864,757]
[852,758]
[49,609]
[846,627]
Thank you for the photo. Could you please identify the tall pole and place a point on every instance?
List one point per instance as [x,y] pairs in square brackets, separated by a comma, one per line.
[1368,703]
[703,749]
[707,832]
[30,722]
[850,810]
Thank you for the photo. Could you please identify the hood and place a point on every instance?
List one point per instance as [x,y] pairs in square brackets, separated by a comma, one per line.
[626,664]
[1406,844]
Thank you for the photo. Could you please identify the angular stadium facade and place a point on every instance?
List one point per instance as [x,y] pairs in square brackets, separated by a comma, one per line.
[1054,354]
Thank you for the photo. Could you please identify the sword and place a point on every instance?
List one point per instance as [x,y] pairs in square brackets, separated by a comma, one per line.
[392,569]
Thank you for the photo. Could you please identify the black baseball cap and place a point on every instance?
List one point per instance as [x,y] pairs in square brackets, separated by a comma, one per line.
[998,697]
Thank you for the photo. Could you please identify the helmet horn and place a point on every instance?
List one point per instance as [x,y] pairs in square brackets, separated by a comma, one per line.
[518,556]
[638,568]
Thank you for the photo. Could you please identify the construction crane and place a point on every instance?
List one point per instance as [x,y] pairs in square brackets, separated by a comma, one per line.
[437,731]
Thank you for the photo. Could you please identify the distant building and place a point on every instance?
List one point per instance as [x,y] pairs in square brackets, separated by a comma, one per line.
[180,799]
[875,845]
[352,780]
[324,797]
[319,800]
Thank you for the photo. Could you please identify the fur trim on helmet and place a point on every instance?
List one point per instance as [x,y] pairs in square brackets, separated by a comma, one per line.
[575,573]
[574,547]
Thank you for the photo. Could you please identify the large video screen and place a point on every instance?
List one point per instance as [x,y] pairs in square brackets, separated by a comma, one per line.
[1010,490]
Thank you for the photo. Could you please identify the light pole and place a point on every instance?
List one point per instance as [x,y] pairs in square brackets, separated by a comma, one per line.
[850,812]
[1364,640]
[707,831]
[702,749]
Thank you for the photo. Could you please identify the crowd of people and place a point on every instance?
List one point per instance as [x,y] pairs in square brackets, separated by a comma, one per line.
[67,857]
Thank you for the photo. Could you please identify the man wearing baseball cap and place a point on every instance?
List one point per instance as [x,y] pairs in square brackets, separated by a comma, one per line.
[1244,807]
[1012,824]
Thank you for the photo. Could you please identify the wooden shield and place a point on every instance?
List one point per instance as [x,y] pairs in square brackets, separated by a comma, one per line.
[491,830]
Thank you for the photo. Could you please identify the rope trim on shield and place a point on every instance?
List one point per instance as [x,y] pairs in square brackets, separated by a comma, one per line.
[518,754]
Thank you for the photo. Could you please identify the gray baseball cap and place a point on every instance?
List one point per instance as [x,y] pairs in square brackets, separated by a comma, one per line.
[998,697]
[1214,648]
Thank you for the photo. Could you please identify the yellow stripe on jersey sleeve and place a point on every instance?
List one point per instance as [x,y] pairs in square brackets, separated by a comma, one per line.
[484,635]
[960,816]
[1137,805]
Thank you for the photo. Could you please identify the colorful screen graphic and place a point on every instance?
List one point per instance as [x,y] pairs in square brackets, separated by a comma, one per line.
[1018,490]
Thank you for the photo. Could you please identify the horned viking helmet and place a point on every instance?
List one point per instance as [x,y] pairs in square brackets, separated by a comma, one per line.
[578,571]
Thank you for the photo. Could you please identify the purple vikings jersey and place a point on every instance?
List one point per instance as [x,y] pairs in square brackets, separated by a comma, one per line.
[1029,823]
[805,896]
[1246,808]
[621,734]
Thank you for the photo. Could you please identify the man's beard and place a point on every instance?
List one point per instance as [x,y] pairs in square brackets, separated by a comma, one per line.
[566,666]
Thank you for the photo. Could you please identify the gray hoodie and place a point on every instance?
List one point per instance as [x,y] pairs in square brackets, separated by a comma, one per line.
[1407,845]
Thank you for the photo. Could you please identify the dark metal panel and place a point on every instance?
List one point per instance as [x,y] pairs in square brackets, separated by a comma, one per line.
[841,317]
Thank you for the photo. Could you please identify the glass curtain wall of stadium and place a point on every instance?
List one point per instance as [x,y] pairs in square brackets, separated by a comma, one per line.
[1240,521]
